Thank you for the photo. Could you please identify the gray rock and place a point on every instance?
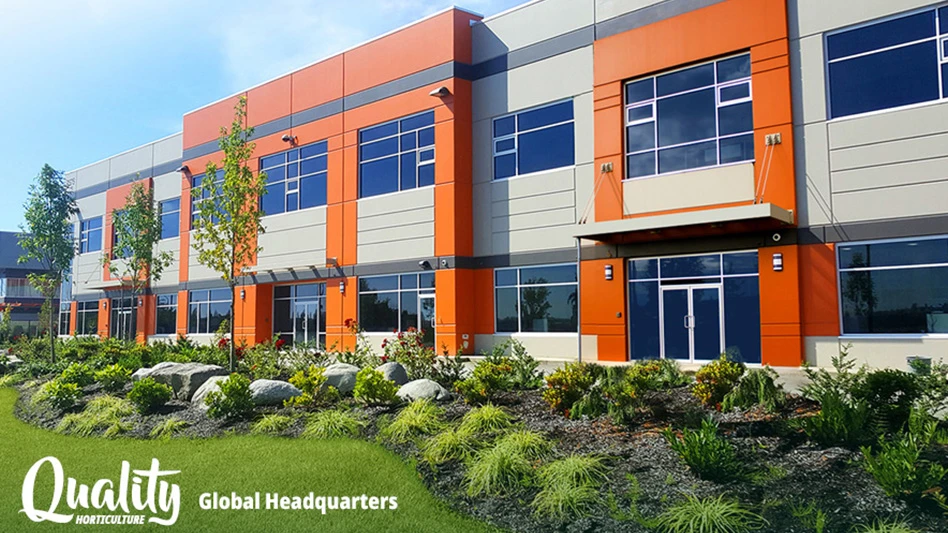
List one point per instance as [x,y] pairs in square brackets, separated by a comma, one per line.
[272,392]
[213,383]
[143,372]
[423,388]
[394,372]
[342,376]
[185,378]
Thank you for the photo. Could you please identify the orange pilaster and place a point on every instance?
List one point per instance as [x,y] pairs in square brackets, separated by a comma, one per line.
[781,329]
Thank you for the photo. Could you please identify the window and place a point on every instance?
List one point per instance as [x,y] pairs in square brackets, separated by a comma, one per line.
[170,212]
[397,156]
[737,275]
[536,299]
[90,235]
[65,309]
[205,196]
[891,63]
[299,314]
[207,309]
[126,251]
[390,303]
[296,179]
[894,287]
[534,140]
[18,288]
[166,314]
[87,318]
[697,117]
[123,318]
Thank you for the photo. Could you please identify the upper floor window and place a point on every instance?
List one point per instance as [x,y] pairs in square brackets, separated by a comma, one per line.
[170,211]
[537,299]
[397,156]
[892,63]
[697,117]
[296,179]
[90,235]
[533,140]
[894,287]
[205,195]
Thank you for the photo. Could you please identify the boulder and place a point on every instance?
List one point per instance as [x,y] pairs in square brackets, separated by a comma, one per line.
[342,376]
[423,388]
[394,372]
[185,378]
[272,392]
[143,372]
[213,383]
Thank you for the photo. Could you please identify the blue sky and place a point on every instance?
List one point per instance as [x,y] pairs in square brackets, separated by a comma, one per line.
[86,79]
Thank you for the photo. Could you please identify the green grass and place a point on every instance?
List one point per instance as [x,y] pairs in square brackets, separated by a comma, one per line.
[245,464]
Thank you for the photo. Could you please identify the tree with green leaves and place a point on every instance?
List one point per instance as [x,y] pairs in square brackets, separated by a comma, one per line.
[137,230]
[226,218]
[47,237]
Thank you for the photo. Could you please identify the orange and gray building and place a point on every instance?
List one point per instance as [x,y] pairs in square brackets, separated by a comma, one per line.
[765,178]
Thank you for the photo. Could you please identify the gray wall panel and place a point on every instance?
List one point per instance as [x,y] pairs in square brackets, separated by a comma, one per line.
[518,28]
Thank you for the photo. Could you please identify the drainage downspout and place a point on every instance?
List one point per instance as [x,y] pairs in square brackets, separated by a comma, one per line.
[579,307]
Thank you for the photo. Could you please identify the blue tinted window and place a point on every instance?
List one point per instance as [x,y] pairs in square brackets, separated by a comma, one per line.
[895,300]
[640,113]
[734,68]
[639,91]
[544,300]
[426,137]
[409,171]
[378,149]
[426,175]
[418,121]
[309,166]
[312,150]
[640,137]
[544,140]
[688,156]
[736,149]
[742,318]
[398,163]
[378,283]
[287,193]
[881,35]
[90,235]
[426,280]
[643,320]
[894,253]
[505,277]
[378,132]
[170,217]
[685,118]
[272,201]
[313,191]
[742,263]
[408,141]
[639,165]
[378,177]
[409,281]
[735,92]
[884,80]
[735,119]
[685,80]
[643,269]
[272,161]
[696,266]
[554,274]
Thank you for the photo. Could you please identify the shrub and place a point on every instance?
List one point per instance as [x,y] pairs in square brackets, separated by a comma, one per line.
[497,470]
[60,394]
[131,362]
[709,455]
[104,413]
[450,445]
[716,379]
[485,420]
[420,417]
[898,466]
[488,378]
[372,388]
[574,469]
[757,387]
[315,392]
[567,385]
[333,424]
[839,423]
[710,515]
[529,444]
[565,501]
[409,350]
[113,377]
[933,387]
[148,395]
[837,384]
[569,486]
[262,361]
[890,395]
[656,374]
[169,428]
[79,373]
[233,400]
[272,424]
[613,393]
[449,370]
[10,380]
[886,526]
[524,373]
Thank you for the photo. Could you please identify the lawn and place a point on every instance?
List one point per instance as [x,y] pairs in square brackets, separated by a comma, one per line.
[244,464]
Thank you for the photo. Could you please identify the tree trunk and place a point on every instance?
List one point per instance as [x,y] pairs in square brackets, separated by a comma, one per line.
[233,339]
[52,334]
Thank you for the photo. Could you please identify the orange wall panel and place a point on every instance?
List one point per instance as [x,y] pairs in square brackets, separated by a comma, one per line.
[73,318]
[269,101]
[819,290]
[104,312]
[182,316]
[602,307]
[317,84]
[484,301]
[205,124]
[454,311]
[780,322]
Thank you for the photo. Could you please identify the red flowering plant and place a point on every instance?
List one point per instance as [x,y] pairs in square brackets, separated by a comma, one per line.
[279,344]
[408,349]
[362,355]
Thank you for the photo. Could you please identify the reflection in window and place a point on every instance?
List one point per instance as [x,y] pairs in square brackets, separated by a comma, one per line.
[207,310]
[894,287]
[534,140]
[397,156]
[390,303]
[170,211]
[697,117]
[166,314]
[296,179]
[536,299]
[87,318]
[299,314]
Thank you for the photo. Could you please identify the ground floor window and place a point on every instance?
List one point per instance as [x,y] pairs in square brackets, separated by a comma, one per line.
[695,307]
[123,318]
[65,309]
[537,299]
[397,302]
[166,314]
[299,314]
[87,318]
[207,310]
[894,287]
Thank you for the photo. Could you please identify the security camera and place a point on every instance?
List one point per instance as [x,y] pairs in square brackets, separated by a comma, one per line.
[776,237]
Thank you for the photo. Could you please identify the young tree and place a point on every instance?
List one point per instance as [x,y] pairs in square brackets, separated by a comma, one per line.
[227,219]
[47,237]
[137,230]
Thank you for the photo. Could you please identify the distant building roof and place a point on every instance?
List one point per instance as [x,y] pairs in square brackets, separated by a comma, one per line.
[10,251]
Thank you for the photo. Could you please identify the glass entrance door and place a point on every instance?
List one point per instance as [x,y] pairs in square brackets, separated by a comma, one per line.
[305,322]
[426,318]
[691,322]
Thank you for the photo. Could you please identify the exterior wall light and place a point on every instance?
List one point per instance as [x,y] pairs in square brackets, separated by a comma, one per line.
[778,262]
[608,272]
[182,168]
[440,92]
[342,287]
[243,293]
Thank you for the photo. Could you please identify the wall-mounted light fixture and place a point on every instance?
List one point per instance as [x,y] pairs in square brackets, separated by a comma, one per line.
[608,272]
[105,304]
[287,138]
[243,294]
[342,286]
[182,168]
[778,262]
[440,92]
[331,262]
[141,301]
[424,265]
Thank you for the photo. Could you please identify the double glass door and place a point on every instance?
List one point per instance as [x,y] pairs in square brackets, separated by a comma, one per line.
[691,322]
[306,317]
[123,318]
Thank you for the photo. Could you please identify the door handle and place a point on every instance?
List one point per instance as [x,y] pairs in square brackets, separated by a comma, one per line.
[686,322]
[689,321]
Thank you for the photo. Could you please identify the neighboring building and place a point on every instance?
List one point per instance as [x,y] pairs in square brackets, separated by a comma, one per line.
[16,293]
[763,177]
